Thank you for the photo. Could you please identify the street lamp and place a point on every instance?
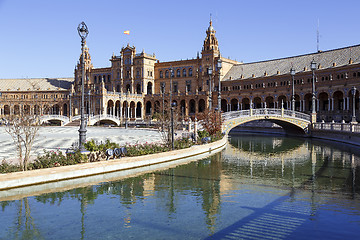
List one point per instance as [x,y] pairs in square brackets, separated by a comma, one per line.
[210,87]
[292,72]
[126,111]
[313,112]
[219,66]
[89,103]
[70,106]
[171,75]
[172,124]
[83,32]
[353,92]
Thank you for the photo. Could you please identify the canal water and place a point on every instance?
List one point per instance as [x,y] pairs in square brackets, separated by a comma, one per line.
[259,187]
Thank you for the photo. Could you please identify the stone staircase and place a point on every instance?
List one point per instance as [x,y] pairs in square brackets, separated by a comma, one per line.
[74,123]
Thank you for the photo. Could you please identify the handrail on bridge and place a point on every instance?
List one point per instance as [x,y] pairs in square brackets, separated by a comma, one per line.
[266,112]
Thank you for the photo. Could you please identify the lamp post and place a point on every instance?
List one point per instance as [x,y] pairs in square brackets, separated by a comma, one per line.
[210,87]
[171,75]
[126,111]
[313,112]
[292,72]
[216,111]
[353,92]
[83,32]
[219,66]
[89,102]
[172,124]
[70,106]
[163,106]
[120,112]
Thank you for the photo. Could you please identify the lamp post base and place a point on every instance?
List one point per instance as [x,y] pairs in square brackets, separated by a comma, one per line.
[82,139]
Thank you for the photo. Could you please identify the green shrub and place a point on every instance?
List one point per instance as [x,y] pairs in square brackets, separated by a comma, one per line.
[6,167]
[56,159]
[202,134]
[93,147]
[183,143]
[146,148]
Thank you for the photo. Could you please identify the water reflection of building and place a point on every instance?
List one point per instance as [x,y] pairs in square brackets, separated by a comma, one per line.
[297,164]
[241,157]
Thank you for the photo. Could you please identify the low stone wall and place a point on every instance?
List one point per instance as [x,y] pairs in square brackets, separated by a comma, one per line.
[337,136]
[11,181]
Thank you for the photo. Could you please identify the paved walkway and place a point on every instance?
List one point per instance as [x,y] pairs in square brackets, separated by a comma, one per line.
[53,138]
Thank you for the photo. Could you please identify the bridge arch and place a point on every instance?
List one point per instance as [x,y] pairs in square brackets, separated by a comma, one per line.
[293,123]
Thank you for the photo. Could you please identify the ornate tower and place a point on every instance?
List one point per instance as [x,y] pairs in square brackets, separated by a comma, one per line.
[88,67]
[211,46]
[210,53]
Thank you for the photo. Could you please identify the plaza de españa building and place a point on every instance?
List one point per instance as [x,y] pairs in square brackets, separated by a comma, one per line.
[137,85]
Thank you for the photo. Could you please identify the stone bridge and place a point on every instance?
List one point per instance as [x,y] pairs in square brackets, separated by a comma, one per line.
[91,120]
[55,118]
[293,122]
[107,118]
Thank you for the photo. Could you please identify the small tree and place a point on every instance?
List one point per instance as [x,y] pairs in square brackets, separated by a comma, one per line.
[211,121]
[163,124]
[23,127]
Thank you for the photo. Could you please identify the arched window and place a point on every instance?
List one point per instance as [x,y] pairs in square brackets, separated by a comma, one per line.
[149,88]
[94,79]
[148,108]
[161,74]
[184,72]
[166,74]
[178,73]
[138,89]
[108,78]
[190,72]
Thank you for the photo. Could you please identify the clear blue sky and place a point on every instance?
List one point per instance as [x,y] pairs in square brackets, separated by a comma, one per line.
[38,38]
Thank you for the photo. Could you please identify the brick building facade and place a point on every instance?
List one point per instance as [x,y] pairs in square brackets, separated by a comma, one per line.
[137,85]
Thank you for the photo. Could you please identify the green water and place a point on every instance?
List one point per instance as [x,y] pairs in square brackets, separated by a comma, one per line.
[257,188]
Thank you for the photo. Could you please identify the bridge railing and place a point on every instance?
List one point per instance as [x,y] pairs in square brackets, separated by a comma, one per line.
[338,127]
[296,114]
[266,112]
[57,117]
[104,116]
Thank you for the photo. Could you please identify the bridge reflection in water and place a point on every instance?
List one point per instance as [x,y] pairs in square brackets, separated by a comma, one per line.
[258,188]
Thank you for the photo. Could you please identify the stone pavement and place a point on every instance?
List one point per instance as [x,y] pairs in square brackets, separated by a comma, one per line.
[62,138]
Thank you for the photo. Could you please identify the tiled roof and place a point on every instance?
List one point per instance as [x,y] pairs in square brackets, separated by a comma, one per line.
[36,84]
[326,59]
